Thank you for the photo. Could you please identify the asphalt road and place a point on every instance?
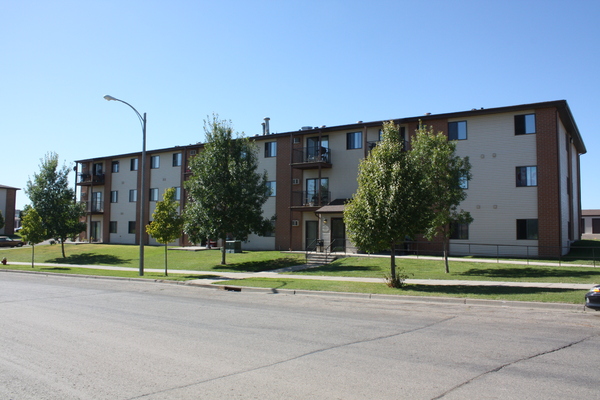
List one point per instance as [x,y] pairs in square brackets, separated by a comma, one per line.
[78,338]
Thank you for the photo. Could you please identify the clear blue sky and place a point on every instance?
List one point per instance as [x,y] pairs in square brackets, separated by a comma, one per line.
[323,62]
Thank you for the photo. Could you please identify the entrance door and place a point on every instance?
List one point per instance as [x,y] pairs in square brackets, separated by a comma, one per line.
[317,150]
[311,235]
[95,231]
[338,235]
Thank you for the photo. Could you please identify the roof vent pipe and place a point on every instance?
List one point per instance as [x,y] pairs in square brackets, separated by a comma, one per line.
[263,125]
[267,131]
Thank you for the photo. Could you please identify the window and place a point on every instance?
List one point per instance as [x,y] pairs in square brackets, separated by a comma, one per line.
[524,124]
[97,202]
[271,231]
[133,195]
[154,194]
[354,140]
[526,176]
[459,231]
[457,130]
[115,166]
[463,181]
[114,196]
[317,192]
[112,227]
[527,229]
[131,228]
[595,225]
[272,185]
[133,164]
[176,159]
[270,149]
[154,162]
[177,193]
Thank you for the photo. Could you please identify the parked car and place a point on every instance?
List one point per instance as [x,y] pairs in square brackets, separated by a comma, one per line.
[8,242]
[592,298]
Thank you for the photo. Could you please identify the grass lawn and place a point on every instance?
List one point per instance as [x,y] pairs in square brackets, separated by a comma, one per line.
[128,256]
[474,292]
[378,267]
[104,272]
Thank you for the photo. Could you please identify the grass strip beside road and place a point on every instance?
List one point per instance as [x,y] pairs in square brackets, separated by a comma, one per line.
[506,293]
[128,256]
[379,267]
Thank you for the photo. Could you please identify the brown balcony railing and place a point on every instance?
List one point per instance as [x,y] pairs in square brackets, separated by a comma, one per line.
[307,155]
[90,178]
[310,199]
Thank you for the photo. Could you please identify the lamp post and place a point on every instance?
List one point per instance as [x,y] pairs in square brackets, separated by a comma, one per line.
[143,185]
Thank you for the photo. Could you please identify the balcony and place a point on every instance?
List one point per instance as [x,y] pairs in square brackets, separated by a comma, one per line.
[311,157]
[310,199]
[94,206]
[89,179]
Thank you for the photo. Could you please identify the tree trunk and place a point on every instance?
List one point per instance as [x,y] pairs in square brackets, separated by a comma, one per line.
[32,254]
[62,246]
[224,239]
[166,274]
[393,264]
[446,256]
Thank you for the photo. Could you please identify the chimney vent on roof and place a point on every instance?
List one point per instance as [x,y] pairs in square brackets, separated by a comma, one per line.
[266,126]
[427,114]
[306,128]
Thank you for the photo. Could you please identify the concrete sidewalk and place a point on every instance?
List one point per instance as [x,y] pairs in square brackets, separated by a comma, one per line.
[216,276]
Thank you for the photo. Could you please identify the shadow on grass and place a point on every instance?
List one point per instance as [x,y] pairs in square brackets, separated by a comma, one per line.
[55,269]
[258,266]
[483,290]
[90,259]
[529,273]
[340,268]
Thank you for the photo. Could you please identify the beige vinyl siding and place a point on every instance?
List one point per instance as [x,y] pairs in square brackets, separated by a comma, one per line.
[493,199]
[575,194]
[123,211]
[164,177]
[268,164]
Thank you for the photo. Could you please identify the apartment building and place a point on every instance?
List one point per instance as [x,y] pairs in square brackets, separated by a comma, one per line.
[8,198]
[524,195]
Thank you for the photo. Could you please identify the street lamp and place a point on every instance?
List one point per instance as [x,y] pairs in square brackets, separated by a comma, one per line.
[143,185]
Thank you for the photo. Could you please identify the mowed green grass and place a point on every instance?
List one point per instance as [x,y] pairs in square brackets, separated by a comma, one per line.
[505,293]
[379,267]
[128,256]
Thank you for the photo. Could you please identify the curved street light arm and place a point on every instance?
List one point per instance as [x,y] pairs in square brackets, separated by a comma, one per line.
[110,98]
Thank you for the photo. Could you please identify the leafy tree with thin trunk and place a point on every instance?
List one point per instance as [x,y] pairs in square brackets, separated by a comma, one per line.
[32,230]
[391,201]
[446,177]
[166,222]
[54,200]
[225,190]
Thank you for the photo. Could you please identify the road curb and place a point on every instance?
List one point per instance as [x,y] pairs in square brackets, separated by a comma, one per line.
[366,296]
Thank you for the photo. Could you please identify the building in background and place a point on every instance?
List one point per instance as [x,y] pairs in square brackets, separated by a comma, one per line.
[590,224]
[524,195]
[8,197]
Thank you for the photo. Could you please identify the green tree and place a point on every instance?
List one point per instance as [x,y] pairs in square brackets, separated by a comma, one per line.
[1,220]
[166,222]
[391,201]
[32,230]
[225,191]
[446,177]
[54,200]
